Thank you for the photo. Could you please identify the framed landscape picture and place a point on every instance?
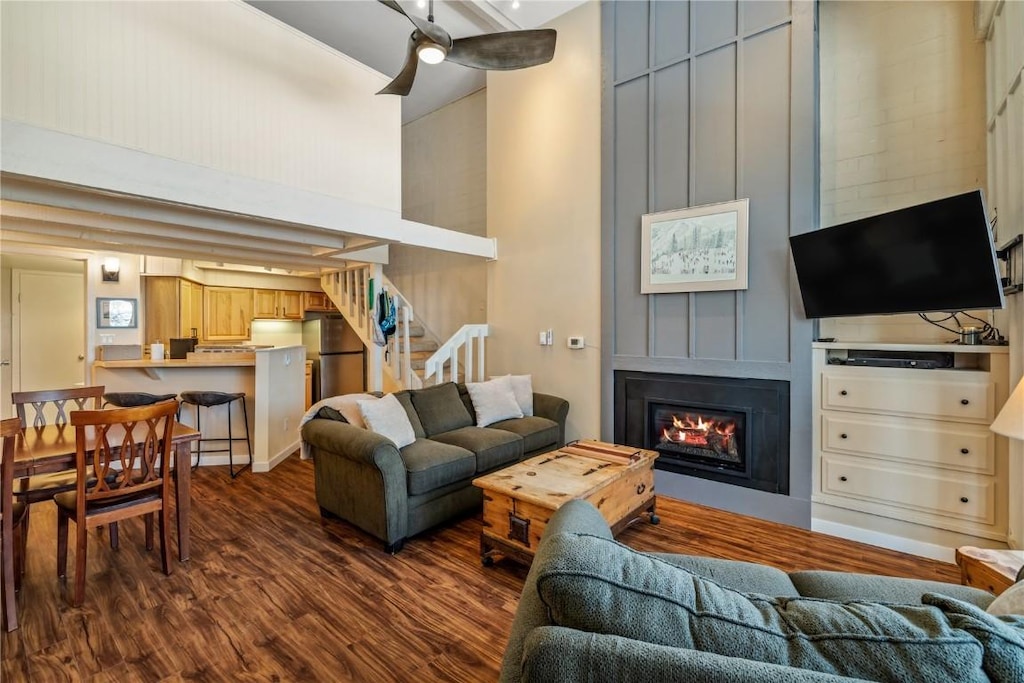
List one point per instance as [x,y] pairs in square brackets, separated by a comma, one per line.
[697,249]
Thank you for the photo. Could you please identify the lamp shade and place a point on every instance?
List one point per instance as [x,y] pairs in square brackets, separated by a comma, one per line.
[1010,420]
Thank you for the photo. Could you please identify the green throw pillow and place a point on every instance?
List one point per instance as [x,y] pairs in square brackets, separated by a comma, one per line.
[329,413]
[440,409]
[1002,637]
[597,585]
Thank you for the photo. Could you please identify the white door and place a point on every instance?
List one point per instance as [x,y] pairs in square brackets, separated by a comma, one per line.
[48,330]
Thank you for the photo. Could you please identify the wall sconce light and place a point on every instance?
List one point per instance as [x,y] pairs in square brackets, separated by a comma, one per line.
[111,269]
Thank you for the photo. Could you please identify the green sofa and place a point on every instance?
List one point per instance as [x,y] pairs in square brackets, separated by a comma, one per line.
[593,610]
[392,493]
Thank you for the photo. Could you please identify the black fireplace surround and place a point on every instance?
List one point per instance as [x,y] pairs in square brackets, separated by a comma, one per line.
[726,429]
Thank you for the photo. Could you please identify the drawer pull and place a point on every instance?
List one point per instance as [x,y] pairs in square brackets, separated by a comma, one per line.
[843,436]
[641,487]
[965,451]
[842,392]
[964,402]
[964,499]
[842,478]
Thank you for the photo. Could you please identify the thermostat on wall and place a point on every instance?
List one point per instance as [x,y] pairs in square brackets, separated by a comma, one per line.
[575,342]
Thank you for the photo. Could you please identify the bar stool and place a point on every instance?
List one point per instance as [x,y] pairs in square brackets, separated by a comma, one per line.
[209,399]
[133,399]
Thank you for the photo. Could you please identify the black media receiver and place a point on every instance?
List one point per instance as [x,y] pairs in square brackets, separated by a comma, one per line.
[922,360]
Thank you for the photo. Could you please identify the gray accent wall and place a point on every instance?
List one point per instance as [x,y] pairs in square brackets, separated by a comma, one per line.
[710,101]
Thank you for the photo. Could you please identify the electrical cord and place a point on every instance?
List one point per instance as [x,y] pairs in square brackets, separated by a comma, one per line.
[988,331]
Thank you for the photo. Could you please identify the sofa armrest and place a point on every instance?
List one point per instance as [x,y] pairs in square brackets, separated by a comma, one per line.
[359,476]
[553,654]
[576,516]
[553,408]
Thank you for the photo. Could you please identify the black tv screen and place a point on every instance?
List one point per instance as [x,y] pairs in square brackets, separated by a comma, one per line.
[937,256]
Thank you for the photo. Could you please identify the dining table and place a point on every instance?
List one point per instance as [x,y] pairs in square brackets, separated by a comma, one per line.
[52,448]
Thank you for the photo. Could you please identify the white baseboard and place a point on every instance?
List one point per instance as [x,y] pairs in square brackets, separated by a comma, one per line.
[890,541]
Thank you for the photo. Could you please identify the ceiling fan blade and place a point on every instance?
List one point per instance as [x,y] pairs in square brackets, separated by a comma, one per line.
[505,50]
[402,83]
[428,28]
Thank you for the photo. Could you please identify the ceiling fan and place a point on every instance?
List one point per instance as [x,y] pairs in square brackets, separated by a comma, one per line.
[505,50]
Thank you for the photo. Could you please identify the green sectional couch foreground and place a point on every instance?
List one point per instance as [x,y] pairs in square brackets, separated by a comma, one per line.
[595,610]
[394,493]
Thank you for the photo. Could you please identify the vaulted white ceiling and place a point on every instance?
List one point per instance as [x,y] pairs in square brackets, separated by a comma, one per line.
[376,36]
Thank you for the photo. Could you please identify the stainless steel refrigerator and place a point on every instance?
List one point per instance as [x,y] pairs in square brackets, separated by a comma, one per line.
[338,355]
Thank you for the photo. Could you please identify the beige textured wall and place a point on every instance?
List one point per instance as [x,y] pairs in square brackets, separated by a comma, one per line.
[902,122]
[444,183]
[544,205]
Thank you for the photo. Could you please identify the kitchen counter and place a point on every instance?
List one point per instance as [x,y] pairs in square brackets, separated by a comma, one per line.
[273,380]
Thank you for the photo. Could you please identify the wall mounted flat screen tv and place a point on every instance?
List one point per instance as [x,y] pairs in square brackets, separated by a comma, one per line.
[937,256]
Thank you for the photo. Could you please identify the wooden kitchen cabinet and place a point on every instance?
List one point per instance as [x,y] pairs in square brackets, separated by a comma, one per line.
[228,313]
[317,301]
[277,304]
[174,307]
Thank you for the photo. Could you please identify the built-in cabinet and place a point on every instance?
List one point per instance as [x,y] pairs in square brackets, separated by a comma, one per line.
[228,313]
[277,304]
[317,301]
[174,308]
[913,444]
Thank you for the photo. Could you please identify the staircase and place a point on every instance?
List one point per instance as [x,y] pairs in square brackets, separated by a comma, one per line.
[413,357]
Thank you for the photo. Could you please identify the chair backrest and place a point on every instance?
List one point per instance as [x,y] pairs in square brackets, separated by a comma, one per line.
[10,429]
[128,449]
[58,398]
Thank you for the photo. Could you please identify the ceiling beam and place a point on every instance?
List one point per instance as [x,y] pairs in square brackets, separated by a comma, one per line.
[484,12]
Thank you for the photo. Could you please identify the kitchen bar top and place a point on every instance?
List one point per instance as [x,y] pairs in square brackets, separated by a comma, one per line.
[217,360]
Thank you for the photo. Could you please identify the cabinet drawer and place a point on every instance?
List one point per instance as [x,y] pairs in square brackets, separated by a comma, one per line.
[970,401]
[966,447]
[965,497]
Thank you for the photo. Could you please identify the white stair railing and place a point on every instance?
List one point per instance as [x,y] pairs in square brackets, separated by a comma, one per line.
[350,291]
[447,356]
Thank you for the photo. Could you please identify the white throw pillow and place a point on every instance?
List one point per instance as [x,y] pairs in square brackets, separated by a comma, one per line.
[348,406]
[522,387]
[493,401]
[1010,601]
[387,417]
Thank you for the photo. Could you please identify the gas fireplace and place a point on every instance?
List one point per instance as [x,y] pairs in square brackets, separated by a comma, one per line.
[732,430]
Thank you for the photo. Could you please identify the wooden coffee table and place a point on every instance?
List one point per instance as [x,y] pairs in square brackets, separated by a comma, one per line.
[520,499]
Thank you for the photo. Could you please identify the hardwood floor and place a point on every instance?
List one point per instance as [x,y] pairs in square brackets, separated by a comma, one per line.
[271,594]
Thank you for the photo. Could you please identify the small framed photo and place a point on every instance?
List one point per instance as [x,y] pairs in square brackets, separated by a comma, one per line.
[117,313]
[697,249]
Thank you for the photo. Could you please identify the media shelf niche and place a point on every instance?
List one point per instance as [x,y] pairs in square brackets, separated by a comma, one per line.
[902,450]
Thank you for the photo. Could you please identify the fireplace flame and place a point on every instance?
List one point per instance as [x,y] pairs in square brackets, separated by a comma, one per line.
[695,430]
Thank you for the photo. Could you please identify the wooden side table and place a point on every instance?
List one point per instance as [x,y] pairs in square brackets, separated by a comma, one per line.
[989,569]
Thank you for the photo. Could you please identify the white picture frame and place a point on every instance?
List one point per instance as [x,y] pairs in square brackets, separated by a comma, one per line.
[696,249]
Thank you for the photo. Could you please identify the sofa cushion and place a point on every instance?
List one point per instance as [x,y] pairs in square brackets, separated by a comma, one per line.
[430,465]
[1002,637]
[537,432]
[742,576]
[405,398]
[493,401]
[593,584]
[493,447]
[843,586]
[440,409]
[1010,601]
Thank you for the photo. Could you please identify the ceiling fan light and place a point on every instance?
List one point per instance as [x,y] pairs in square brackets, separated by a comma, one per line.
[431,53]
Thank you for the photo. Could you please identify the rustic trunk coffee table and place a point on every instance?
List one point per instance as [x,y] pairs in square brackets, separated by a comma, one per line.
[520,499]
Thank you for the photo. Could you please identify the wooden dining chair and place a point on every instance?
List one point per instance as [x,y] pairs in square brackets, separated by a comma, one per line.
[12,527]
[122,461]
[51,406]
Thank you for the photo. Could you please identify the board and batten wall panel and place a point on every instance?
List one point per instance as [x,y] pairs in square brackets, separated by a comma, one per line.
[1002,24]
[709,102]
[218,84]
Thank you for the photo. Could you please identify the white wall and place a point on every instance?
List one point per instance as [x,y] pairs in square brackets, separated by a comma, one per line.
[219,84]
[902,122]
[1005,98]
[543,205]
[444,183]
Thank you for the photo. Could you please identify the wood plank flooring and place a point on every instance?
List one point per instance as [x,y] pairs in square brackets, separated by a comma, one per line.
[271,594]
